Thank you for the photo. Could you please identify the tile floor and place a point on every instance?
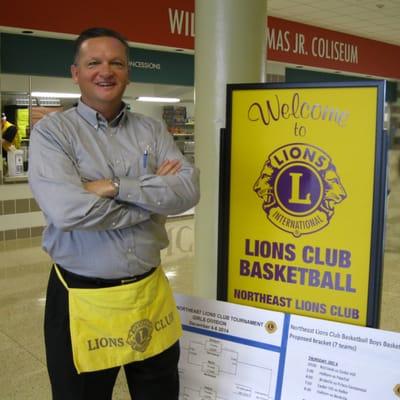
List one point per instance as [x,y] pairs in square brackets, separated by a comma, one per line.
[23,278]
[23,275]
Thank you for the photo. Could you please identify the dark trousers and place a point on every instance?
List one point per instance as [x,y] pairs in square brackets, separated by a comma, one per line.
[152,379]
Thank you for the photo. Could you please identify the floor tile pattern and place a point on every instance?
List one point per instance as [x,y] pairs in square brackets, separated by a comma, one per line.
[23,274]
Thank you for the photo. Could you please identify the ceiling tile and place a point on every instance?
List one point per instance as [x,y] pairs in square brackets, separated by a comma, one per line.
[357,17]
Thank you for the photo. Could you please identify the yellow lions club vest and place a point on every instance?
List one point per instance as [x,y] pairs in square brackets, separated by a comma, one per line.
[117,325]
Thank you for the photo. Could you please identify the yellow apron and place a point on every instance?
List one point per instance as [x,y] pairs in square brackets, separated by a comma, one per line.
[117,325]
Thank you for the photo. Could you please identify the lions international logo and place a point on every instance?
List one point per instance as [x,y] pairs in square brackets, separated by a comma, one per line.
[300,188]
[139,335]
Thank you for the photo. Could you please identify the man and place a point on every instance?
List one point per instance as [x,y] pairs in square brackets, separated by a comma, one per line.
[106,179]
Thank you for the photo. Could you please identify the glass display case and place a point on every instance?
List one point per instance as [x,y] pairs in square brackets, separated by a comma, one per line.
[23,110]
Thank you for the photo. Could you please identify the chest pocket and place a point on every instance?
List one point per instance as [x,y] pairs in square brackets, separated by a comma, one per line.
[141,162]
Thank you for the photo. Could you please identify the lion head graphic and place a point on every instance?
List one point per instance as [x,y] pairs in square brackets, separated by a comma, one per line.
[264,185]
[333,190]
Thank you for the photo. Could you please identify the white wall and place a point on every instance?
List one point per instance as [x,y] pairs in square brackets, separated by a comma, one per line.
[153,110]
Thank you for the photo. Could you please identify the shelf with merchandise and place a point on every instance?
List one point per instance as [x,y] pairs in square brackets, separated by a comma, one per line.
[182,128]
[177,121]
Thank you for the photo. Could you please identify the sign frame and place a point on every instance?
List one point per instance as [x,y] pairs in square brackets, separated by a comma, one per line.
[379,192]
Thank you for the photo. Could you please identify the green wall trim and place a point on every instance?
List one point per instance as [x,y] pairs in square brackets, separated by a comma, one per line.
[32,55]
[295,75]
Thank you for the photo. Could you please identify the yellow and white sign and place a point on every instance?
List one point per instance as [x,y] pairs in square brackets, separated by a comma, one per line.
[228,351]
[301,202]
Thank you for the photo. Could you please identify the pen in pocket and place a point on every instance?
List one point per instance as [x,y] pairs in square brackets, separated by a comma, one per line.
[145,157]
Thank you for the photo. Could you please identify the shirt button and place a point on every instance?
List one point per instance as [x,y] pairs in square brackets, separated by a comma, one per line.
[158,203]
[118,161]
[113,224]
[129,250]
[129,196]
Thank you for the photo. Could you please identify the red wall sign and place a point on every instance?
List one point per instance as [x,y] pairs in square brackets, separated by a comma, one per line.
[301,44]
[171,23]
[159,22]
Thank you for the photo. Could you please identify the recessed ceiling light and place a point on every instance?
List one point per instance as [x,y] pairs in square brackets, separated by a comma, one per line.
[56,95]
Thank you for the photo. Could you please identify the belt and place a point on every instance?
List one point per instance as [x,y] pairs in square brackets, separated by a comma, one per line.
[70,278]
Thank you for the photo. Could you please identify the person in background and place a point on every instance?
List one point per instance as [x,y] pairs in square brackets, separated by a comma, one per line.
[9,135]
[106,179]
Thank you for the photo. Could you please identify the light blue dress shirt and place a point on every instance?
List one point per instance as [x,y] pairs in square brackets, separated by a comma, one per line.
[101,237]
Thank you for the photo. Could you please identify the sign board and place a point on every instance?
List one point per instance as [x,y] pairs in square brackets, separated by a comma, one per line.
[302,202]
[235,352]
[159,22]
[301,44]
[32,55]
[172,24]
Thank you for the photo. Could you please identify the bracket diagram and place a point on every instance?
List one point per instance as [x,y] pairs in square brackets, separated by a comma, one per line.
[213,369]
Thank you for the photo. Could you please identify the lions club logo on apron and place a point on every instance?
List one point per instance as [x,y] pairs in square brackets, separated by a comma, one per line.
[300,188]
[139,335]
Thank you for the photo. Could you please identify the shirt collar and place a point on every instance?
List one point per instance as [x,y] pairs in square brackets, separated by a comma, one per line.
[95,119]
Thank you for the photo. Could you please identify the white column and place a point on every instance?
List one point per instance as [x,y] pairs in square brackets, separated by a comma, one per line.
[230,47]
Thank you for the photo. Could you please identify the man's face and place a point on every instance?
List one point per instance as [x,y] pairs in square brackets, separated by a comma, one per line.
[101,72]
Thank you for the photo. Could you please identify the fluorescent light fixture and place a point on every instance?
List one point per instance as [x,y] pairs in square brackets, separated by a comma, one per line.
[159,99]
[56,95]
[170,274]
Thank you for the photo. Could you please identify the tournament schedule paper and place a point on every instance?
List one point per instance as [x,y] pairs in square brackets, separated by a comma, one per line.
[235,352]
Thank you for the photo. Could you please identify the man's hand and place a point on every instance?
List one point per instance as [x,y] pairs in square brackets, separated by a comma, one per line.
[102,187]
[169,167]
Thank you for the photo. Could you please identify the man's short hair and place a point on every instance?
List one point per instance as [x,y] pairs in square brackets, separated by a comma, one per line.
[95,33]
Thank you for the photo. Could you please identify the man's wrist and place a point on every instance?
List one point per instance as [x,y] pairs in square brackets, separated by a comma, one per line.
[116,183]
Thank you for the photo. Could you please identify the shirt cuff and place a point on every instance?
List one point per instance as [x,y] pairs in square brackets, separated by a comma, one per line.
[129,188]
